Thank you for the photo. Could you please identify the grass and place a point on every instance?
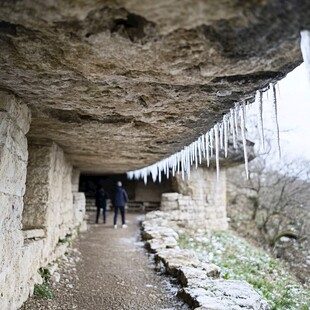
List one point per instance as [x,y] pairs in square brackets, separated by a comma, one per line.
[241,261]
[43,290]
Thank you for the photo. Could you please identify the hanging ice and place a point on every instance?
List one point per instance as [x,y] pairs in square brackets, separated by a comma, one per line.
[217,153]
[211,136]
[260,117]
[199,149]
[225,124]
[207,149]
[242,123]
[275,116]
[195,153]
[232,127]
[210,143]
[305,49]
[203,147]
[183,163]
[221,132]
[236,112]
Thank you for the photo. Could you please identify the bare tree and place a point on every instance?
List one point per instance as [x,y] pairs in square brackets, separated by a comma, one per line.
[273,207]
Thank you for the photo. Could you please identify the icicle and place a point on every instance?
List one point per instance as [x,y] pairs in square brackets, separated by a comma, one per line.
[244,105]
[278,89]
[191,154]
[260,119]
[174,164]
[159,173]
[167,168]
[154,173]
[267,92]
[182,164]
[203,146]
[188,166]
[211,135]
[145,176]
[225,123]
[196,154]
[275,115]
[209,144]
[199,149]
[232,127]
[244,141]
[187,160]
[217,151]
[221,136]
[207,149]
[305,49]
[164,166]
[236,112]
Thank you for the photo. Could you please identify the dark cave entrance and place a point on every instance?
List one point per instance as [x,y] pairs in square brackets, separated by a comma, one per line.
[142,197]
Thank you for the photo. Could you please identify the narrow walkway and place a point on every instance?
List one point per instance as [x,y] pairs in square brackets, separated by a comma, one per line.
[108,269]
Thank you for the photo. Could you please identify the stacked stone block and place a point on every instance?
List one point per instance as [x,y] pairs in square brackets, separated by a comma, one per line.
[79,201]
[200,201]
[202,285]
[50,203]
[14,124]
[35,216]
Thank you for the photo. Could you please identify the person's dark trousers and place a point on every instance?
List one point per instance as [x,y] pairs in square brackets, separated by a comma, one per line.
[98,215]
[122,209]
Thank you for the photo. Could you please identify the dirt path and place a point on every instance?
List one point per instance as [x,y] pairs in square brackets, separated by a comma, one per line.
[108,269]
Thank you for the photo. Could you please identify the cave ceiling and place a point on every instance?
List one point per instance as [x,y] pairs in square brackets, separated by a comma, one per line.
[122,84]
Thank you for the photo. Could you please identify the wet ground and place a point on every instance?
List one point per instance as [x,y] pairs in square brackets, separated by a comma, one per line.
[108,269]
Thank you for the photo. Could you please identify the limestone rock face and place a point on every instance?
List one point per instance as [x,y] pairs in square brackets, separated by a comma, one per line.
[122,84]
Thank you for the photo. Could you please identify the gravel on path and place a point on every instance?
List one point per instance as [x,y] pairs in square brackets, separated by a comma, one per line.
[108,269]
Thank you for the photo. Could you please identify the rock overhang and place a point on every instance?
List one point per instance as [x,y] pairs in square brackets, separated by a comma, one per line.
[122,84]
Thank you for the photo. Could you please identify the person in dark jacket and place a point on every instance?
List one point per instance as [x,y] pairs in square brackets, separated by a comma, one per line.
[120,200]
[101,203]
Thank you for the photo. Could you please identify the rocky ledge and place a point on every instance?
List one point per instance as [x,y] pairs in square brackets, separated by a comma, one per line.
[202,285]
[121,84]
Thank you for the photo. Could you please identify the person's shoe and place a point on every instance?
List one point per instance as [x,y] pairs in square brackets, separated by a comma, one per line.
[124,226]
[115,226]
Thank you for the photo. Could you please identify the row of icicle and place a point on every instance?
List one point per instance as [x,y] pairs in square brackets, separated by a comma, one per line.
[217,137]
[210,144]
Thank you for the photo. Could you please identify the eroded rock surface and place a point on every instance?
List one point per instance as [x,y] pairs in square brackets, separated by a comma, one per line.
[121,84]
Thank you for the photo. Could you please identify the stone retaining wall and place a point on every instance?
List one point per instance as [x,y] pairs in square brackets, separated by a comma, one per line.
[200,201]
[14,124]
[202,285]
[49,198]
[32,227]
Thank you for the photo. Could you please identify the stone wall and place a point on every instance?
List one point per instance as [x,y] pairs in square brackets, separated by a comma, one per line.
[202,285]
[36,216]
[79,201]
[151,191]
[14,124]
[50,203]
[200,202]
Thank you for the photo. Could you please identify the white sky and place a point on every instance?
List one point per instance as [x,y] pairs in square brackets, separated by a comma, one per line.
[293,114]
